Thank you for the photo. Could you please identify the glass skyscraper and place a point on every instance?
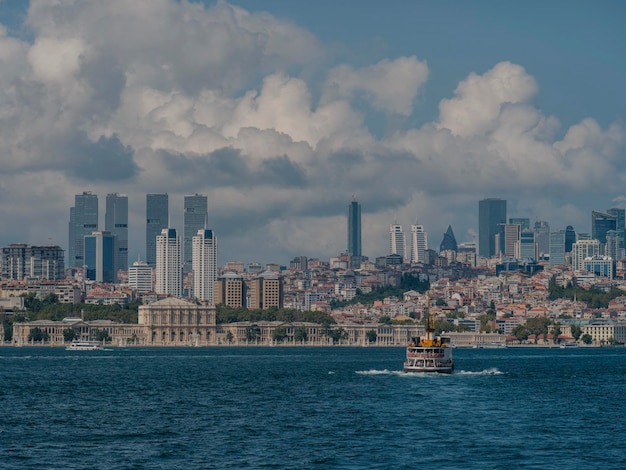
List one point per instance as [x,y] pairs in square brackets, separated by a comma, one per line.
[83,221]
[157,218]
[354,229]
[600,224]
[491,217]
[195,218]
[101,257]
[116,223]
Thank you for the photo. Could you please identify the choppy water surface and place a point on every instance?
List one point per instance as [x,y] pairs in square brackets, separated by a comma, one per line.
[310,408]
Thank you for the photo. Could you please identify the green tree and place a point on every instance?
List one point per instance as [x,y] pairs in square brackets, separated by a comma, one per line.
[300,335]
[385,320]
[556,331]
[576,332]
[253,332]
[538,325]
[229,337]
[521,333]
[371,336]
[586,338]
[440,302]
[69,334]
[38,335]
[101,336]
[338,335]
[485,319]
[279,334]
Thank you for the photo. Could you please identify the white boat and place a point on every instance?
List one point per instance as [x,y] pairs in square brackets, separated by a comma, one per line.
[491,345]
[569,344]
[430,353]
[83,345]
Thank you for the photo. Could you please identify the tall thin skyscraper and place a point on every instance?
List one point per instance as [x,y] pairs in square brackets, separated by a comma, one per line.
[157,218]
[491,216]
[204,253]
[620,227]
[542,236]
[116,222]
[419,244]
[397,245]
[511,237]
[83,221]
[354,229]
[169,274]
[195,218]
[557,248]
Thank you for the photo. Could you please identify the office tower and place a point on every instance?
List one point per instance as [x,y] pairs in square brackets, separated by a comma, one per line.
[195,218]
[523,222]
[169,274]
[612,246]
[419,244]
[491,214]
[116,223]
[542,237]
[600,224]
[397,245]
[101,257]
[600,266]
[157,218]
[557,248]
[584,249]
[527,247]
[266,291]
[620,215]
[354,229]
[83,221]
[204,265]
[511,237]
[140,277]
[449,241]
[230,290]
[570,238]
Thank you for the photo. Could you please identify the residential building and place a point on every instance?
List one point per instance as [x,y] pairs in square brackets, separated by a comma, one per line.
[230,290]
[83,221]
[195,218]
[204,265]
[21,261]
[584,249]
[419,244]
[600,266]
[157,219]
[169,275]
[491,216]
[397,245]
[266,291]
[116,223]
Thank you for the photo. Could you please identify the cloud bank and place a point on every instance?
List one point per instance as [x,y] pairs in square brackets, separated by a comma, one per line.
[163,96]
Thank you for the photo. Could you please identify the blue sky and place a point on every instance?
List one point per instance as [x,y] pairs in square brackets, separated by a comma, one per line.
[280,111]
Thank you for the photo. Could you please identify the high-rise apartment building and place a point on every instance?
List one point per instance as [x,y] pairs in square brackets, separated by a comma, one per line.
[527,247]
[140,277]
[397,245]
[20,261]
[354,229]
[491,216]
[584,249]
[83,221]
[169,274]
[204,265]
[116,223]
[557,248]
[101,257]
[612,246]
[419,244]
[195,218]
[157,218]
[266,291]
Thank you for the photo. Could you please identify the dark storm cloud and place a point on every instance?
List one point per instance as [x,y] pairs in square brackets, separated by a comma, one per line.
[107,80]
[105,160]
[226,167]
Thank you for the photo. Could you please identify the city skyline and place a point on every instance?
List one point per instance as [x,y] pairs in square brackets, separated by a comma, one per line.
[279,133]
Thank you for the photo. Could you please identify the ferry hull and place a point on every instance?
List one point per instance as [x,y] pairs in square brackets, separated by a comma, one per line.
[436,370]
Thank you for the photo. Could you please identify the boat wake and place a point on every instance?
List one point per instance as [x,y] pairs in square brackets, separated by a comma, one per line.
[491,371]
[380,372]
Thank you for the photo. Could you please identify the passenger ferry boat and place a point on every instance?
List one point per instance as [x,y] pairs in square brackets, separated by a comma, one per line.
[82,345]
[430,353]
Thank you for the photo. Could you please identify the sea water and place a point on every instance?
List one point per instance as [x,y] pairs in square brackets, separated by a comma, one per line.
[296,407]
